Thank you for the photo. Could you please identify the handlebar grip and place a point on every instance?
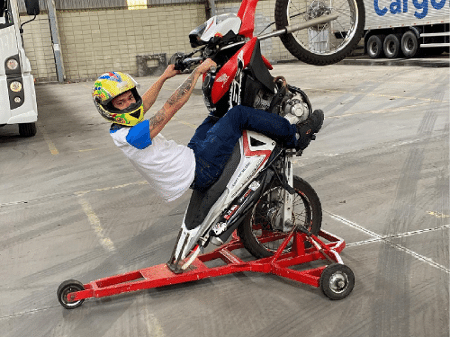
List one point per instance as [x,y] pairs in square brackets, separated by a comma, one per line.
[179,65]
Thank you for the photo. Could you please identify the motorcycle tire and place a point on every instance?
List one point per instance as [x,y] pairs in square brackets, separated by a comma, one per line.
[257,225]
[326,43]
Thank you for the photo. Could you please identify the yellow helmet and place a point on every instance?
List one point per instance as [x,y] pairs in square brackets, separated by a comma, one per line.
[110,85]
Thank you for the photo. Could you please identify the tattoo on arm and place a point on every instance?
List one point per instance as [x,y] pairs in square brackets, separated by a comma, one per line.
[179,97]
[182,90]
[158,118]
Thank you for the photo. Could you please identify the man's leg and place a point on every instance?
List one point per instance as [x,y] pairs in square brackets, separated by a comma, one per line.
[214,143]
[200,133]
[269,124]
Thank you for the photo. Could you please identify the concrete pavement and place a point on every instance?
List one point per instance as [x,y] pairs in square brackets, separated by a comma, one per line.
[72,206]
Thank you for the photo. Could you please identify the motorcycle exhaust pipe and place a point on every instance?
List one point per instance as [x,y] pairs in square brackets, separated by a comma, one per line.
[300,26]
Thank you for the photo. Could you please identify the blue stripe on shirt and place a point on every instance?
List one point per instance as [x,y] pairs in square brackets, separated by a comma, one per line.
[139,135]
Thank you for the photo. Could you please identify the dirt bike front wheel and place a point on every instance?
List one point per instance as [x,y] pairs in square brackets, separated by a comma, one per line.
[261,223]
[326,43]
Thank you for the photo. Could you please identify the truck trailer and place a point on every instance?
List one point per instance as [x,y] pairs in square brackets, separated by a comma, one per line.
[406,27]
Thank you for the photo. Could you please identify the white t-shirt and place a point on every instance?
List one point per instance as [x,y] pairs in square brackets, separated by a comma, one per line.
[166,165]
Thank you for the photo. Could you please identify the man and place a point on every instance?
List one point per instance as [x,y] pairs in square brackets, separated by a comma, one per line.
[171,168]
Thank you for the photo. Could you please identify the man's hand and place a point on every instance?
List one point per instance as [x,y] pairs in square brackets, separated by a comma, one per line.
[170,71]
[149,97]
[206,66]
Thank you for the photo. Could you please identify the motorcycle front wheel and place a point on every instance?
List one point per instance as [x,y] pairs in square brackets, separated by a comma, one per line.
[259,228]
[325,43]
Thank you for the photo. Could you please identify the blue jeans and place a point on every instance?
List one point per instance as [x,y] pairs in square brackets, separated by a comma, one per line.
[213,142]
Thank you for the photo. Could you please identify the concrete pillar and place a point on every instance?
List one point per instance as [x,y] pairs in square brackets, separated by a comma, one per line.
[55,40]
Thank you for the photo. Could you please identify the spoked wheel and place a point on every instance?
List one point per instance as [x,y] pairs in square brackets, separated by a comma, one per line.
[67,287]
[325,43]
[261,227]
[337,281]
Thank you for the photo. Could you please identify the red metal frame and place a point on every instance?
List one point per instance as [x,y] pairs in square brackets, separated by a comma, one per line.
[278,264]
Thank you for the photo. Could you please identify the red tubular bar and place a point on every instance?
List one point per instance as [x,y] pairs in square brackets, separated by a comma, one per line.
[278,264]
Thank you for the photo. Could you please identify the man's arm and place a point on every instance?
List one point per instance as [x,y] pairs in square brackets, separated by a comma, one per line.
[178,99]
[150,96]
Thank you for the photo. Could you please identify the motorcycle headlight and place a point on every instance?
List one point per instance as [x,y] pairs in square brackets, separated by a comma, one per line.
[194,36]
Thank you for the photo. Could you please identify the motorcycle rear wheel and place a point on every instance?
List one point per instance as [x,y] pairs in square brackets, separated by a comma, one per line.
[257,226]
[326,43]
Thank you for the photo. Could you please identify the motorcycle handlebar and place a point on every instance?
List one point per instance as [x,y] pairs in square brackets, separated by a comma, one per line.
[184,63]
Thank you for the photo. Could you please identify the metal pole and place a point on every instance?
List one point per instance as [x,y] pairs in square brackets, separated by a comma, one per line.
[55,40]
[212,6]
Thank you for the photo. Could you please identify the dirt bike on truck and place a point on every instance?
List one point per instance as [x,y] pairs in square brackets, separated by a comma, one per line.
[274,211]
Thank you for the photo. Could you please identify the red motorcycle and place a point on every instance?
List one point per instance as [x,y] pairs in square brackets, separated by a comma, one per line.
[259,195]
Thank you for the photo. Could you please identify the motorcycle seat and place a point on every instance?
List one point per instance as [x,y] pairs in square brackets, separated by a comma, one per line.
[201,202]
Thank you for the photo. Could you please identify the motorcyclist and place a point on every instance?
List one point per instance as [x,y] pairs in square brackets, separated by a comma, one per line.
[171,168]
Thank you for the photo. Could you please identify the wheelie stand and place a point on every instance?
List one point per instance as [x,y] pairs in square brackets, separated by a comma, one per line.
[336,279]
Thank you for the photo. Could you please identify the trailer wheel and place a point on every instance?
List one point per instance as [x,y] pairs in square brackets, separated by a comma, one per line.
[391,46]
[409,44]
[67,287]
[337,281]
[27,129]
[375,46]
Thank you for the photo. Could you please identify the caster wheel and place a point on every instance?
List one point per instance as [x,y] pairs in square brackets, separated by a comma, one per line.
[337,281]
[67,287]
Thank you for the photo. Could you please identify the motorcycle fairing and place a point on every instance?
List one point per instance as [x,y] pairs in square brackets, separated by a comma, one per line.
[258,68]
[225,76]
[218,25]
[221,25]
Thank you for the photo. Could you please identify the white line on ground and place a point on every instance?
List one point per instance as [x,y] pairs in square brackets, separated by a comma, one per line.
[105,242]
[386,239]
